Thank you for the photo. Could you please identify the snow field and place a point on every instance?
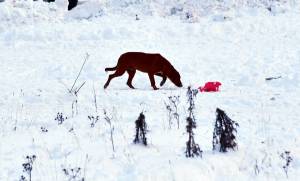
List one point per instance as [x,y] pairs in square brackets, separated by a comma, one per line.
[40,59]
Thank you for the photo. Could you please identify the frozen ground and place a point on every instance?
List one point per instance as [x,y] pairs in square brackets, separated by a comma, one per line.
[41,54]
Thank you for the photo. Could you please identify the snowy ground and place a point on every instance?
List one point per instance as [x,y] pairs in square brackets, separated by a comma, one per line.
[41,54]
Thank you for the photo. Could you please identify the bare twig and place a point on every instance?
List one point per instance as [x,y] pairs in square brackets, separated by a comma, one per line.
[86,58]
[86,161]
[108,120]
[256,169]
[74,106]
[172,108]
[77,90]
[95,98]
[271,78]
[75,137]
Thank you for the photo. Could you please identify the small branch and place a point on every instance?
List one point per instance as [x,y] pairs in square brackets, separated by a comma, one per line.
[84,169]
[86,58]
[76,91]
[74,106]
[272,78]
[111,137]
[108,120]
[95,98]
[75,137]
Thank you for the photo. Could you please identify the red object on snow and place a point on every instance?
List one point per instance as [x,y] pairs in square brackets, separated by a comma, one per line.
[210,87]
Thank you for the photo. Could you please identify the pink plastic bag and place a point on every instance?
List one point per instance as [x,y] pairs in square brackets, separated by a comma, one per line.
[210,87]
